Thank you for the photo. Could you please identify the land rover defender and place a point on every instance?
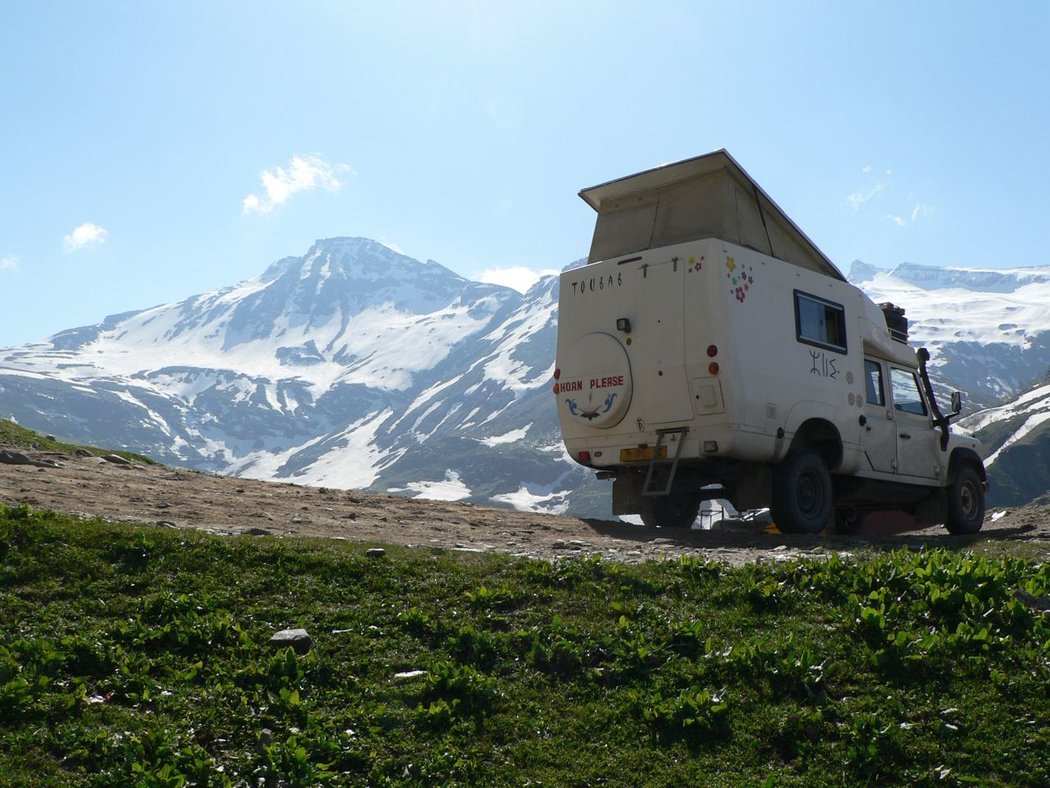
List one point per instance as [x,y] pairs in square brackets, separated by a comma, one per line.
[709,350]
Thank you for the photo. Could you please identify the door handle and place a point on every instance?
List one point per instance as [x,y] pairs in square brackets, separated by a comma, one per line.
[905,436]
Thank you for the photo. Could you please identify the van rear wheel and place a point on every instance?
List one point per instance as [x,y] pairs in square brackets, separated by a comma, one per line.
[801,493]
[677,510]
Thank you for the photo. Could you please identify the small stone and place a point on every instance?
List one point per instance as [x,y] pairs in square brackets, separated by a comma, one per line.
[298,639]
[265,739]
[116,459]
[375,552]
[83,453]
[256,532]
[408,675]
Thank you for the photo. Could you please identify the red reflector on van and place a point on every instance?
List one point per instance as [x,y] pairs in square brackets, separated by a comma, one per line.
[584,456]
[712,351]
[713,367]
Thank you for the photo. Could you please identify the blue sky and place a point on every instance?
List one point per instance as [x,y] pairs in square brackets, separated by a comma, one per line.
[151,151]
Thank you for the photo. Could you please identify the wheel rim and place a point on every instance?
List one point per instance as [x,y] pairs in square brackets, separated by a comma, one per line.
[810,495]
[968,500]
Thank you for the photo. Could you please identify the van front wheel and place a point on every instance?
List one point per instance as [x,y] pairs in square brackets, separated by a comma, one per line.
[801,493]
[965,502]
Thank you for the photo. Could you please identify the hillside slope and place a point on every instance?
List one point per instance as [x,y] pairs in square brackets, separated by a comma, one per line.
[181,498]
[352,366]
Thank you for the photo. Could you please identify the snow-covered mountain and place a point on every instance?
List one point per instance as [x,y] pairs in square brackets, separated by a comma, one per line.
[358,367]
[988,330]
[352,366]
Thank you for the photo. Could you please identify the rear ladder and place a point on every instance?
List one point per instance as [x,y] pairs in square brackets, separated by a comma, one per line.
[652,476]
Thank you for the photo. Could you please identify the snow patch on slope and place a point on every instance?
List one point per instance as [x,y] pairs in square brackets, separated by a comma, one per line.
[452,488]
[526,501]
[508,437]
[1035,404]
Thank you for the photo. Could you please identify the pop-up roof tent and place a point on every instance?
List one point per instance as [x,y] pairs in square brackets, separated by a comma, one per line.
[709,196]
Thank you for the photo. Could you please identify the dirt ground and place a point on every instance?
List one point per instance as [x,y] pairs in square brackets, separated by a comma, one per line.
[178,498]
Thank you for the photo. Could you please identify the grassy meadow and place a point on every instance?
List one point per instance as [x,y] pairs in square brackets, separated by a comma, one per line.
[140,656]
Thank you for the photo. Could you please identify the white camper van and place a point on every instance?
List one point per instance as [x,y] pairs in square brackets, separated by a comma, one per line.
[710,350]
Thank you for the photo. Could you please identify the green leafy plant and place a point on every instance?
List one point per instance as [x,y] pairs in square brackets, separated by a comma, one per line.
[134,655]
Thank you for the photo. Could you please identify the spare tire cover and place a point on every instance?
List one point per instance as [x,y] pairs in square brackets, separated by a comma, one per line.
[594,382]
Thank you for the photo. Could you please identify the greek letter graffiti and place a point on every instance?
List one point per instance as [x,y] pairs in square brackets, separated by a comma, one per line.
[823,364]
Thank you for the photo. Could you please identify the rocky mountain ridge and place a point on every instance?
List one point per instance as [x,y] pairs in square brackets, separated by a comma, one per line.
[354,366]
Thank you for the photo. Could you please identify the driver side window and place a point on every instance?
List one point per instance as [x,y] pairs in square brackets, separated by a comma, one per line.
[906,396]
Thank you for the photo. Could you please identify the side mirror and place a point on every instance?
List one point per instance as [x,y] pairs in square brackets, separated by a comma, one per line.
[956,402]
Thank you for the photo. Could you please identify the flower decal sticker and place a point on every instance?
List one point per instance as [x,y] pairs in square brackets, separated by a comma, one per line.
[740,277]
[692,264]
[593,413]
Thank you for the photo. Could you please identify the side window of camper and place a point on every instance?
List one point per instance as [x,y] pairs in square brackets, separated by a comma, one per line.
[820,322]
[873,382]
[906,396]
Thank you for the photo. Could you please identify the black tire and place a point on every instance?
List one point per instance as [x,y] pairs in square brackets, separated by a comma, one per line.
[678,510]
[801,493]
[965,502]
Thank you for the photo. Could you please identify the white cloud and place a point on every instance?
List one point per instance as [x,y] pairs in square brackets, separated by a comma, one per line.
[8,263]
[517,277]
[920,211]
[904,207]
[305,173]
[87,234]
[861,196]
[917,212]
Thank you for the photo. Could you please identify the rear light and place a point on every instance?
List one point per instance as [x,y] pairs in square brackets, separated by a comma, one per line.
[584,457]
[555,388]
[713,367]
[712,351]
[557,374]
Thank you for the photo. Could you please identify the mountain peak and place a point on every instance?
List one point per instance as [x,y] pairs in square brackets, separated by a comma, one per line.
[862,272]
